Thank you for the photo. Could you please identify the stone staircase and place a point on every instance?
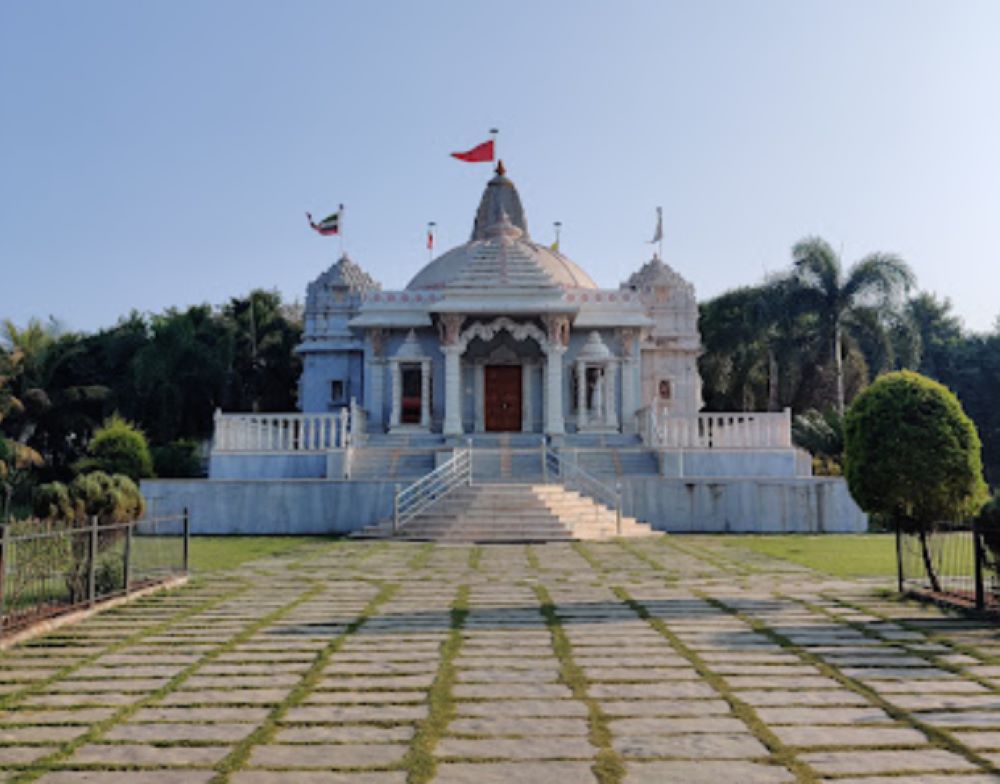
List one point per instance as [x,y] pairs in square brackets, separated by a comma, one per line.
[511,513]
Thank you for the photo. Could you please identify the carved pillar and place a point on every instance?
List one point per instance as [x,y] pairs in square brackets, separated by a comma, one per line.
[396,378]
[375,380]
[631,386]
[557,328]
[450,326]
[526,370]
[610,394]
[581,395]
[479,391]
[425,394]
[452,391]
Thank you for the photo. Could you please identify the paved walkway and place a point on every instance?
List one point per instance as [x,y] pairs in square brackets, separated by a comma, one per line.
[668,660]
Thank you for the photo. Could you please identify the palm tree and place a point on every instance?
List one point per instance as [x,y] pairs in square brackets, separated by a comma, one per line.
[874,286]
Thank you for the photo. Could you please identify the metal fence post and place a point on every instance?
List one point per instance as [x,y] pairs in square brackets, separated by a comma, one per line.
[128,558]
[187,539]
[899,559]
[978,550]
[5,553]
[395,511]
[92,563]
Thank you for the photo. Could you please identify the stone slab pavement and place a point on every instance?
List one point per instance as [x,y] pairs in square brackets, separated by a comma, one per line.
[662,660]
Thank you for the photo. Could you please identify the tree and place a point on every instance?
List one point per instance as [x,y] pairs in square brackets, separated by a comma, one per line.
[119,447]
[845,301]
[913,456]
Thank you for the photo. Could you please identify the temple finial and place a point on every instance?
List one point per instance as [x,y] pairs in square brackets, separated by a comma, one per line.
[501,170]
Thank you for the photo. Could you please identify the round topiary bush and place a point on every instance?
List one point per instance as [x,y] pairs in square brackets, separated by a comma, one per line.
[913,456]
[52,502]
[118,447]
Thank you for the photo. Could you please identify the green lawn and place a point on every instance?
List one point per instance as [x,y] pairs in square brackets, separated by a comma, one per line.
[217,553]
[842,555]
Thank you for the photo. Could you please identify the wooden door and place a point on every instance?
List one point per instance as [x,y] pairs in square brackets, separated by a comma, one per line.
[502,398]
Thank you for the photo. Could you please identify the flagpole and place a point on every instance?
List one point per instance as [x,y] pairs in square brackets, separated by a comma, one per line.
[340,232]
[430,240]
[494,133]
[558,228]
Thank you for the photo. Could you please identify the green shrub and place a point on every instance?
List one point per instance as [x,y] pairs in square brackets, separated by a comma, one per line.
[118,447]
[129,503]
[93,495]
[913,456]
[177,460]
[52,502]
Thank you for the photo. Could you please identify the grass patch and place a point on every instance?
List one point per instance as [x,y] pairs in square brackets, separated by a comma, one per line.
[240,754]
[780,753]
[420,763]
[219,553]
[609,767]
[936,736]
[840,555]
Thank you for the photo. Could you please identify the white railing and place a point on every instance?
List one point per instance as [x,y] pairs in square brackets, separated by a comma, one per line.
[716,430]
[428,490]
[557,470]
[288,432]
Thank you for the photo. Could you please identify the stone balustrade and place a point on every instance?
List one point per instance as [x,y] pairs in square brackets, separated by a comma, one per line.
[287,432]
[716,430]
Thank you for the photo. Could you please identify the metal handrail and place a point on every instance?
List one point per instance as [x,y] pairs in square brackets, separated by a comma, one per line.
[572,476]
[428,490]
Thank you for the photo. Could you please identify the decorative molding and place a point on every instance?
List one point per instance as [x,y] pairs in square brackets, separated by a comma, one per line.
[487,332]
[450,327]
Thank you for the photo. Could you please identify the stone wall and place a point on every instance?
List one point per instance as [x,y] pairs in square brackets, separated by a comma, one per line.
[304,506]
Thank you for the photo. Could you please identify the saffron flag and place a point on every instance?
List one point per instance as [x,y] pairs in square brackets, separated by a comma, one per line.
[330,225]
[481,153]
[430,239]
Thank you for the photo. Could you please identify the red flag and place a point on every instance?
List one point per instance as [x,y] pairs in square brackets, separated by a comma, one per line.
[481,153]
[430,239]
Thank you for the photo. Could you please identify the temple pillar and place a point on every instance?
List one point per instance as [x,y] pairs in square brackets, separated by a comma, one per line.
[452,390]
[425,394]
[554,422]
[479,393]
[581,395]
[526,371]
[610,395]
[396,377]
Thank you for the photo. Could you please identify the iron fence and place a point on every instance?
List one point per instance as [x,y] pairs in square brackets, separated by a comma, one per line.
[958,564]
[49,568]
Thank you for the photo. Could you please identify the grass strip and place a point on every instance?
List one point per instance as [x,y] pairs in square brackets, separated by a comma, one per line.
[421,558]
[935,736]
[633,549]
[475,556]
[609,767]
[780,753]
[93,734]
[532,558]
[712,557]
[238,757]
[419,761]
[8,701]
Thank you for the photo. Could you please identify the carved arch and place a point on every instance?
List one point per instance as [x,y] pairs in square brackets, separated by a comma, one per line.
[487,332]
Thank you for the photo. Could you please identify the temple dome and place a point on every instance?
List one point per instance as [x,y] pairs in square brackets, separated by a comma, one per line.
[500,229]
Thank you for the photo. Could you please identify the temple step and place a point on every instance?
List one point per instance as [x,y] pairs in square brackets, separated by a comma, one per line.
[512,513]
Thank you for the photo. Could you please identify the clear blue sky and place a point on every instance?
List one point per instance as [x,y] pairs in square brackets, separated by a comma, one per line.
[163,153]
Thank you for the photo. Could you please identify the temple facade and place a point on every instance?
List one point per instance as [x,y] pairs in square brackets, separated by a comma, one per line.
[501,334]
[503,369]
